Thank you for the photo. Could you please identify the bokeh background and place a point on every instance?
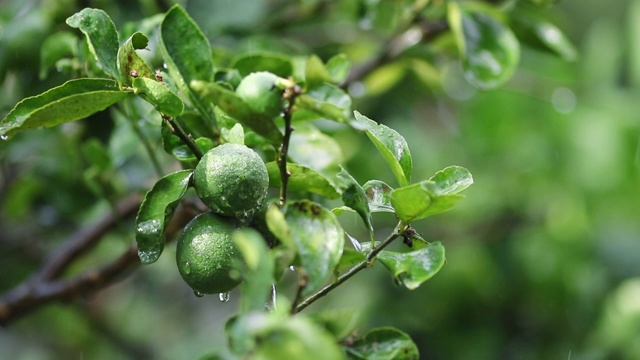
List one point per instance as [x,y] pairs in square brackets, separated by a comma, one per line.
[543,256]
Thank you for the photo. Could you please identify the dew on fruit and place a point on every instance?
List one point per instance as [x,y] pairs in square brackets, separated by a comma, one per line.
[224,297]
[187,268]
[4,137]
[198,293]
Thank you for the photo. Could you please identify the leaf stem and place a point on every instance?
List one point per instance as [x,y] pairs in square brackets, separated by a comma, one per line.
[176,129]
[398,231]
[290,94]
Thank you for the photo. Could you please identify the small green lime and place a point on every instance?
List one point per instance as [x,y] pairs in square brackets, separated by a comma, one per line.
[259,91]
[206,254]
[232,180]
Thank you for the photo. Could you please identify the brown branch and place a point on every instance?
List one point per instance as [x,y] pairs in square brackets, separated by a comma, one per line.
[46,286]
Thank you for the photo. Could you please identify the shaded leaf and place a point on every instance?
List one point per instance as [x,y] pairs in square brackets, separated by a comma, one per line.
[339,322]
[130,62]
[55,47]
[159,96]
[390,144]
[354,197]
[349,258]
[489,50]
[156,211]
[258,272]
[102,37]
[319,239]
[415,267]
[303,179]
[542,34]
[338,67]
[274,63]
[379,196]
[384,343]
[71,101]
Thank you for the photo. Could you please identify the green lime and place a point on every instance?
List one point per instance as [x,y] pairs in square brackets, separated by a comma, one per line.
[259,91]
[206,254]
[232,180]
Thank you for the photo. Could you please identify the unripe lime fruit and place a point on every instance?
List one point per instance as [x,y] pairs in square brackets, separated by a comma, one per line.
[259,91]
[206,254]
[232,180]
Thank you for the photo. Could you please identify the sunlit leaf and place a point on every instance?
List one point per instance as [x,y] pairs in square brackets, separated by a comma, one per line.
[384,343]
[130,63]
[418,201]
[378,194]
[71,101]
[156,211]
[319,239]
[303,179]
[451,180]
[390,144]
[102,37]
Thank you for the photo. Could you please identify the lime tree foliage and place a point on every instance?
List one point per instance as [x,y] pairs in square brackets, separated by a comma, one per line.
[268,204]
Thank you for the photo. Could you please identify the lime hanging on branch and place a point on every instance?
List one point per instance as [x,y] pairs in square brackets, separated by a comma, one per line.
[262,93]
[232,180]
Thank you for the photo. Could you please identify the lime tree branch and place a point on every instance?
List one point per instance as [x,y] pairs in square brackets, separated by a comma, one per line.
[177,130]
[399,230]
[47,284]
[290,94]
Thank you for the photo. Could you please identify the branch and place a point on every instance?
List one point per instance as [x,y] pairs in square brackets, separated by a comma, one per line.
[45,286]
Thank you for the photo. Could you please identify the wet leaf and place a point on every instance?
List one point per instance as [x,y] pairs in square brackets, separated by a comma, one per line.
[391,145]
[319,239]
[418,201]
[384,343]
[451,180]
[102,37]
[159,96]
[257,275]
[379,196]
[274,63]
[303,179]
[156,211]
[71,101]
[130,63]
[312,148]
[354,197]
[415,267]
[324,101]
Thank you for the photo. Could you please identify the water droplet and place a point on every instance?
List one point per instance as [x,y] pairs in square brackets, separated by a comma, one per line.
[165,66]
[356,244]
[292,268]
[197,293]
[148,227]
[224,297]
[187,268]
[149,255]
[4,137]
[274,305]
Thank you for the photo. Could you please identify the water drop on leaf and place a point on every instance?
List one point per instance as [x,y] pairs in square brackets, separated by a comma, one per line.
[224,297]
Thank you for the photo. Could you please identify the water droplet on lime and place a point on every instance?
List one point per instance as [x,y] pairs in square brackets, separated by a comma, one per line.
[224,297]
[187,268]
[197,293]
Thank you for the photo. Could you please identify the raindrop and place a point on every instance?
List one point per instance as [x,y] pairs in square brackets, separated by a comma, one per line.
[224,297]
[292,268]
[187,268]
[148,227]
[197,293]
[356,244]
[165,66]
[274,305]
[4,137]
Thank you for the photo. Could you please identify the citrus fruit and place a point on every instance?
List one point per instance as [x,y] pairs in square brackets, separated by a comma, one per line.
[259,91]
[206,254]
[232,180]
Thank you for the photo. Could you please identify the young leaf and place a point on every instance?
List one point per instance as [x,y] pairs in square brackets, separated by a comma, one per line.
[159,96]
[542,34]
[415,267]
[71,101]
[312,148]
[102,37]
[418,201]
[324,101]
[379,196]
[451,180]
[391,145]
[319,239]
[303,179]
[258,271]
[235,107]
[130,63]
[490,52]
[273,63]
[384,343]
[354,197]
[338,67]
[156,211]
[315,74]
[55,47]
[185,48]
[235,135]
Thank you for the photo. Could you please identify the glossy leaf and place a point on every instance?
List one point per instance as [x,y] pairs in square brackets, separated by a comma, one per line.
[349,258]
[258,272]
[319,239]
[451,180]
[354,197]
[489,50]
[185,48]
[55,47]
[277,224]
[184,154]
[156,211]
[273,63]
[415,267]
[310,147]
[102,37]
[159,96]
[235,107]
[71,101]
[130,63]
[384,343]
[391,145]
[542,34]
[303,179]
[418,201]
[324,101]
[379,196]
[338,67]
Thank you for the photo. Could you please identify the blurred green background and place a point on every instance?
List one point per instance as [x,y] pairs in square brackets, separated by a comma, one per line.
[543,256]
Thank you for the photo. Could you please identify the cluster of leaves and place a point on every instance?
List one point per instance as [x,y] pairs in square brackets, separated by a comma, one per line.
[198,109]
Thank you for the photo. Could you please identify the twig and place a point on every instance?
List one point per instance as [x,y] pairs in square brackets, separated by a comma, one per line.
[354,270]
[176,129]
[290,94]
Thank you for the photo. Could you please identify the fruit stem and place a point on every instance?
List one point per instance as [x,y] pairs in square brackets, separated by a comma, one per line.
[176,129]
[290,95]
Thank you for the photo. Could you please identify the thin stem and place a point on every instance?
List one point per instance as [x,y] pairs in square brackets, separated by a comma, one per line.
[354,270]
[143,139]
[176,129]
[290,94]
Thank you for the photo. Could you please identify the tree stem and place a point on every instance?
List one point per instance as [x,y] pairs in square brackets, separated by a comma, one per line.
[186,139]
[290,94]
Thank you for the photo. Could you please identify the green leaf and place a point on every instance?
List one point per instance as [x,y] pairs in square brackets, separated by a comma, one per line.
[156,211]
[338,67]
[97,154]
[159,96]
[315,73]
[384,343]
[235,107]
[354,197]
[258,271]
[324,101]
[415,267]
[391,145]
[129,62]
[319,239]
[185,48]
[541,34]
[102,37]
[379,196]
[184,154]
[489,50]
[262,61]
[312,148]
[451,180]
[55,47]
[235,135]
[349,258]
[303,179]
[418,201]
[71,101]
[339,322]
